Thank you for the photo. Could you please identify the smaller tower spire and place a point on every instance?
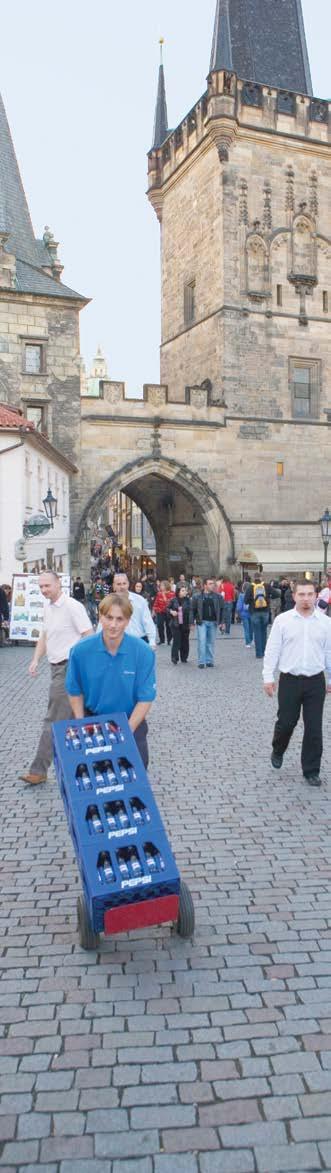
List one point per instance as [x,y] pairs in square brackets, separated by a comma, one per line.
[161,113]
[221,53]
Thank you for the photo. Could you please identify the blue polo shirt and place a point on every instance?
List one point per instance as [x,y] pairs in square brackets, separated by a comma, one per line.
[111,683]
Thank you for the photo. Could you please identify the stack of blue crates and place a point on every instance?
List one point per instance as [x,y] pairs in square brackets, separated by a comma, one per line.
[120,842]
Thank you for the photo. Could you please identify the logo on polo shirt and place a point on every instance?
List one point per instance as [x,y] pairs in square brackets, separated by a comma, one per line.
[126,672]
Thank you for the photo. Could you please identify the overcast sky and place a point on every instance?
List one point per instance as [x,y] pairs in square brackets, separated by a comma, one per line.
[78,78]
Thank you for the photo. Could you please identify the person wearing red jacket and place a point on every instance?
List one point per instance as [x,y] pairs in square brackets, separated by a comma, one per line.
[162,619]
[228,592]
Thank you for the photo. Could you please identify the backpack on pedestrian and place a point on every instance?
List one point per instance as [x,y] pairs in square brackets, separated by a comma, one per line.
[259,596]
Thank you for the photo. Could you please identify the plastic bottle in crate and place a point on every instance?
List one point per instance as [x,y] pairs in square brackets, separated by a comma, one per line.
[134,863]
[98,736]
[125,769]
[83,780]
[88,736]
[140,813]
[72,739]
[105,868]
[153,858]
[122,863]
[110,816]
[109,772]
[114,731]
[98,768]
[93,819]
[121,815]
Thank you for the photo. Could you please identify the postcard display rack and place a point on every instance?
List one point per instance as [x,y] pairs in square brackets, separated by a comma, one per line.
[27,606]
[129,876]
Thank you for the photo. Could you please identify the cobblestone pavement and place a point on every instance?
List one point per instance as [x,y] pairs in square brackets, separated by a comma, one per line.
[158,1055]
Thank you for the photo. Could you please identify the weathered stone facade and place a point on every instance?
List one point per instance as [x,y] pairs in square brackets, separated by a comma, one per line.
[56,389]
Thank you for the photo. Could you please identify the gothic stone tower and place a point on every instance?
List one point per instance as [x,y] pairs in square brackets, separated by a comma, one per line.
[39,317]
[242,191]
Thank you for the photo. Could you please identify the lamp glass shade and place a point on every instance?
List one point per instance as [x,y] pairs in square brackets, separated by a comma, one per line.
[50,504]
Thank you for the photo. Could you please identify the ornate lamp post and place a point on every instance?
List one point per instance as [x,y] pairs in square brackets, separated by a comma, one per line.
[50,504]
[325,523]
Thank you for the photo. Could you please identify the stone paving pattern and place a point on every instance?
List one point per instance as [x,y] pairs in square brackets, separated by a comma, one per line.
[157,1055]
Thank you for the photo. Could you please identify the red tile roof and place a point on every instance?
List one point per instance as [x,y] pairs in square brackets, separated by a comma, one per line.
[11,417]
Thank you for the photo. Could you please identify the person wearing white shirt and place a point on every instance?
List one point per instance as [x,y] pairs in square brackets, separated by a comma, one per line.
[65,622]
[299,646]
[141,623]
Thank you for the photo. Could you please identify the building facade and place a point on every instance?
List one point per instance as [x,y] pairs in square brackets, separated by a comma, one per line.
[29,467]
[242,191]
[39,317]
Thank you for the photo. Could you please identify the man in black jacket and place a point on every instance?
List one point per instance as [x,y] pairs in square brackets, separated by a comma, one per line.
[257,596]
[207,614]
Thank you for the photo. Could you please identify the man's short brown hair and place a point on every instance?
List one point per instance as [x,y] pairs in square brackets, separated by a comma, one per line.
[304,582]
[120,601]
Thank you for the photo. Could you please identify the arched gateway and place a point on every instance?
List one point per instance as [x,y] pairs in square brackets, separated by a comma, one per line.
[182,504]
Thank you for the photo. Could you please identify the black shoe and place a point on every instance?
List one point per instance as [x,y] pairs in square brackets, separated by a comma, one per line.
[209,665]
[174,662]
[276,760]
[201,665]
[313,779]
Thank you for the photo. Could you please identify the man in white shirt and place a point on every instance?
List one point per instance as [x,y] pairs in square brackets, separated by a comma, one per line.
[300,646]
[141,623]
[65,622]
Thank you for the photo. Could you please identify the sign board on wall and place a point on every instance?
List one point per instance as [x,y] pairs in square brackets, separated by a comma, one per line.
[27,606]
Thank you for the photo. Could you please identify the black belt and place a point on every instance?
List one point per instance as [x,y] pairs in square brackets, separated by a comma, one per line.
[58,663]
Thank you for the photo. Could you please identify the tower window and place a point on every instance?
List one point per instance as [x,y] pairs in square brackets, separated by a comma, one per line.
[189,303]
[279,295]
[37,414]
[325,301]
[280,468]
[305,387]
[34,358]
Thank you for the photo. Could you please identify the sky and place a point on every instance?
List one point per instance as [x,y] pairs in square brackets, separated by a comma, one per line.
[79,78]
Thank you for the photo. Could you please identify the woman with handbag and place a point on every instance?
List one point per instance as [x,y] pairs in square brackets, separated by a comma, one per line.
[179,611]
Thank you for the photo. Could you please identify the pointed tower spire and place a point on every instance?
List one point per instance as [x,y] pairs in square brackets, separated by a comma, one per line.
[161,114]
[263,43]
[221,53]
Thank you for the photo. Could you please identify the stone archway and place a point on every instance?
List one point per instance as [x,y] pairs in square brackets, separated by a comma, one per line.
[191,527]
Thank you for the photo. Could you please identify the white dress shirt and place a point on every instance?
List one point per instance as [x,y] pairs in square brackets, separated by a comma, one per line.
[65,621]
[141,622]
[299,645]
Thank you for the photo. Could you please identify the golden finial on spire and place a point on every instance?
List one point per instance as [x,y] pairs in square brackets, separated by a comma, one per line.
[161,43]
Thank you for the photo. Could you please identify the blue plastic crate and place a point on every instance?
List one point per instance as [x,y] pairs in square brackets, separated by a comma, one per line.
[92,845]
[101,896]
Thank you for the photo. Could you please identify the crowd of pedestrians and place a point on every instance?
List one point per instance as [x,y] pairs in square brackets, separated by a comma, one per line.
[86,674]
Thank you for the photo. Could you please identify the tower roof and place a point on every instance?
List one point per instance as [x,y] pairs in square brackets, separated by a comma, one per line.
[161,114]
[262,42]
[32,255]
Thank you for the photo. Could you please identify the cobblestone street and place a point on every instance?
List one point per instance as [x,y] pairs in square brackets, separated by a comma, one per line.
[158,1055]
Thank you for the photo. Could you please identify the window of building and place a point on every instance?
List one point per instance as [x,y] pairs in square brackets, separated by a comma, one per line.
[37,414]
[34,358]
[325,301]
[305,387]
[189,303]
[280,468]
[279,295]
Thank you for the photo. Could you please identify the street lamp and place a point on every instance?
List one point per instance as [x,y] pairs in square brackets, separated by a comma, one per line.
[325,523]
[50,504]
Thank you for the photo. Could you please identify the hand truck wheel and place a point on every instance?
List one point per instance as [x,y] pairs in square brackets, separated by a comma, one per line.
[186,918]
[88,938]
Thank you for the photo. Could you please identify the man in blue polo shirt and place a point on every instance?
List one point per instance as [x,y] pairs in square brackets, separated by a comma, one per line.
[114,672]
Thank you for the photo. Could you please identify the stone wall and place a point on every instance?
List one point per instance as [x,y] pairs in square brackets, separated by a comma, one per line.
[56,325]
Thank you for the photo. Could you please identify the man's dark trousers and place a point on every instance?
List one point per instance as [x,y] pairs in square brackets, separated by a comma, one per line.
[294,692]
[260,620]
